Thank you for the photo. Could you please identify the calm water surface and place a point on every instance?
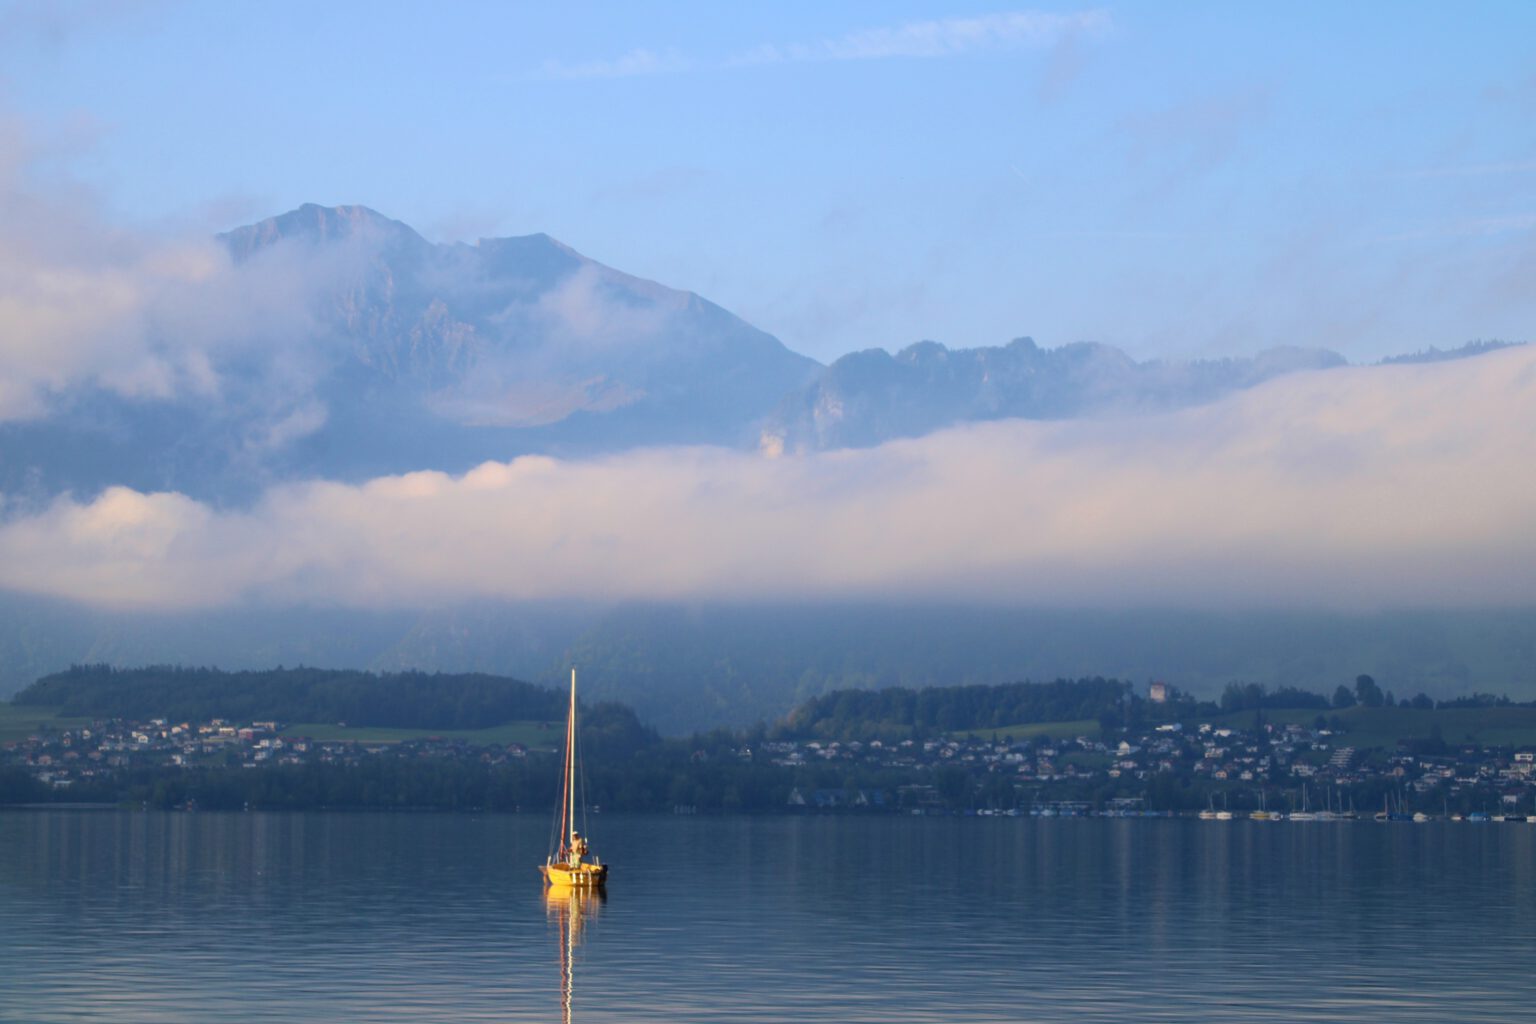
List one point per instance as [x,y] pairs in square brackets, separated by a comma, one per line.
[125,917]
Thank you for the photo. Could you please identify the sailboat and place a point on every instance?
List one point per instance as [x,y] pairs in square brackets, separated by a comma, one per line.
[1306,813]
[566,864]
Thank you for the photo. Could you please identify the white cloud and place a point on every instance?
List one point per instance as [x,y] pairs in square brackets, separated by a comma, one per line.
[68,315]
[946,37]
[308,418]
[86,304]
[571,338]
[584,310]
[1399,486]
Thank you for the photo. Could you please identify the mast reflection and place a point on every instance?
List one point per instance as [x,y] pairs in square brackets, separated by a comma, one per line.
[570,909]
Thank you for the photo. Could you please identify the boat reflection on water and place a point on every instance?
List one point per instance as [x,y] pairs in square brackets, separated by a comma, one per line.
[571,909]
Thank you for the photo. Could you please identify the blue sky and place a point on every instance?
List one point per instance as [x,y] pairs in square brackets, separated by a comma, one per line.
[1180,180]
[1177,179]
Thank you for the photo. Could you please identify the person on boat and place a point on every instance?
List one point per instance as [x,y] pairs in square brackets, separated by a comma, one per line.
[578,847]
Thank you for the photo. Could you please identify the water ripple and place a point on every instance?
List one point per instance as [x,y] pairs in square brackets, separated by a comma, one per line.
[129,917]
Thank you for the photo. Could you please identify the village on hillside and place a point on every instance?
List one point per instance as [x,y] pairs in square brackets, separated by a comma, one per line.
[1267,768]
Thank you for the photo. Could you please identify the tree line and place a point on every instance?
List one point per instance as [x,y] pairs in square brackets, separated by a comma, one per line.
[1366,692]
[902,713]
[412,700]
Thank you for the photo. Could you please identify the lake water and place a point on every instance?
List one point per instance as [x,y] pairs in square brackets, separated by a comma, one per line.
[125,917]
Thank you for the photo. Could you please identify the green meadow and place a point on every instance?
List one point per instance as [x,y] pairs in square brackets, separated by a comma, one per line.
[1083,727]
[534,735]
[19,722]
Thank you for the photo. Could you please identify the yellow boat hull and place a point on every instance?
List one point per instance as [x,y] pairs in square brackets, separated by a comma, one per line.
[577,876]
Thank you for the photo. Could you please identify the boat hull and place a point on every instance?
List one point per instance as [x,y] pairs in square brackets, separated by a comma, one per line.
[577,876]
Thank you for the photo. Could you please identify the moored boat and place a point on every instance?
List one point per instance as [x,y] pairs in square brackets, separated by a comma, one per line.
[567,863]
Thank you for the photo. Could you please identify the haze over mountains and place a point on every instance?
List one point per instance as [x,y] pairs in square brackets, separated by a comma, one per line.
[396,354]
[686,667]
[334,442]
[363,349]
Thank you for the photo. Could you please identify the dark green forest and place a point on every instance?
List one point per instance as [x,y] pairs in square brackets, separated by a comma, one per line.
[696,667]
[899,713]
[411,700]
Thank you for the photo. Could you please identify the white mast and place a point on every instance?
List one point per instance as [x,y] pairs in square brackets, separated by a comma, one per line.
[570,746]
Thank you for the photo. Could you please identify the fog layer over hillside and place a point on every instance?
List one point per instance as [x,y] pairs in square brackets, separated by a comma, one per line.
[686,667]
[1397,486]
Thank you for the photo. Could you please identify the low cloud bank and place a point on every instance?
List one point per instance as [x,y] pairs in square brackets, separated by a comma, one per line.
[1400,486]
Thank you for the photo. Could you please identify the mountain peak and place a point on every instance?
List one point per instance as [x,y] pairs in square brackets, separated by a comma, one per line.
[922,352]
[537,256]
[314,223]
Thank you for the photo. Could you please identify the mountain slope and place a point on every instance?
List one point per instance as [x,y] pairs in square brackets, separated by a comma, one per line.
[395,354]
[524,332]
[336,343]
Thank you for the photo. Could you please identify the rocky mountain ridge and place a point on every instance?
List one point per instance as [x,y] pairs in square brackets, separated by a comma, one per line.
[873,396]
[376,351]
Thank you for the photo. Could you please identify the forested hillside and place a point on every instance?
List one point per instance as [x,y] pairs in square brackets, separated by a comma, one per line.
[862,714]
[404,699]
